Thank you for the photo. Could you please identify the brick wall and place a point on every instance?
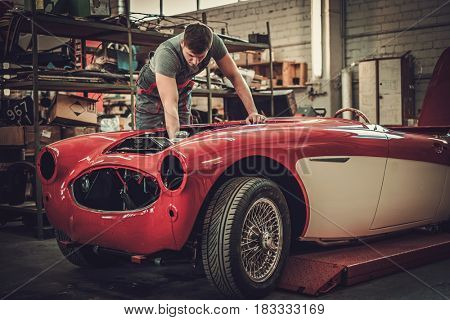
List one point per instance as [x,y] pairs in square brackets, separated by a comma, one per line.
[373,27]
[289,23]
[290,27]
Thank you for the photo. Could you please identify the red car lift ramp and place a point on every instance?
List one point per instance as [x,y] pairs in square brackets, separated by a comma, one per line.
[320,271]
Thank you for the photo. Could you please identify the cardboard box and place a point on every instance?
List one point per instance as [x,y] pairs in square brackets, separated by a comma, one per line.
[48,134]
[12,136]
[240,58]
[73,110]
[246,58]
[255,57]
[69,132]
[265,56]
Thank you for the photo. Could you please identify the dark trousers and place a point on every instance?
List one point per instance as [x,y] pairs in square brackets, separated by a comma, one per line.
[149,113]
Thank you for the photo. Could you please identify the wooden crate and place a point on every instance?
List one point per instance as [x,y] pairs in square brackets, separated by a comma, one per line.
[285,73]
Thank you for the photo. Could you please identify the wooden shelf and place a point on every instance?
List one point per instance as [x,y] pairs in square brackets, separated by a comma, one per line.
[286,73]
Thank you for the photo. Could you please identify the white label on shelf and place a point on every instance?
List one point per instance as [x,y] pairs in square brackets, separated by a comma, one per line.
[46,134]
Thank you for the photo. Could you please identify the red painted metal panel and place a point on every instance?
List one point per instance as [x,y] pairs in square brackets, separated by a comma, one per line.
[206,156]
[436,106]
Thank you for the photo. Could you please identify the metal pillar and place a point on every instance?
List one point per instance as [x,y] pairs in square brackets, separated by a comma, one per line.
[37,133]
[272,106]
[208,80]
[83,54]
[83,62]
[130,60]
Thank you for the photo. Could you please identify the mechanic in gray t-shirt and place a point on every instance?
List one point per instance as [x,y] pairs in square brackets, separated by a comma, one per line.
[165,83]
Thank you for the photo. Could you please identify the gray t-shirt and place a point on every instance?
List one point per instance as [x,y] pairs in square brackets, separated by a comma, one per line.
[168,59]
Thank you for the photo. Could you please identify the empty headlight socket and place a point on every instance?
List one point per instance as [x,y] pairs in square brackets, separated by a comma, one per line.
[173,172]
[47,165]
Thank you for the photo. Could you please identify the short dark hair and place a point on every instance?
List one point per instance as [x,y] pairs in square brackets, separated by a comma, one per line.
[198,37]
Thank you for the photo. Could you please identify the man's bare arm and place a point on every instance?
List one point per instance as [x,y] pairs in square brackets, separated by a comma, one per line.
[168,92]
[230,70]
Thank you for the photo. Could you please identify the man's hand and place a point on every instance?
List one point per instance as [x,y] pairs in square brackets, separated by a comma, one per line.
[254,118]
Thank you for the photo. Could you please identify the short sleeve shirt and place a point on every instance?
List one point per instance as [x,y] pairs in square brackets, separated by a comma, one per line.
[168,59]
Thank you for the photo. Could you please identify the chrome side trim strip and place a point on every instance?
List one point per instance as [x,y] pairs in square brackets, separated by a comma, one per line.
[338,160]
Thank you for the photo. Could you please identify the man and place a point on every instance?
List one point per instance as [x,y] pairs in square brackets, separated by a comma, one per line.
[165,83]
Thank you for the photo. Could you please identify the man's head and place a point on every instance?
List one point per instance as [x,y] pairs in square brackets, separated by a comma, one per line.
[196,43]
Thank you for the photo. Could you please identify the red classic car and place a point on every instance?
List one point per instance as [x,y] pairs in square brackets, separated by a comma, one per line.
[238,195]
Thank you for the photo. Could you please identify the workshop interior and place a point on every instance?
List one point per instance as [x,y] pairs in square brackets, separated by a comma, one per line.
[339,190]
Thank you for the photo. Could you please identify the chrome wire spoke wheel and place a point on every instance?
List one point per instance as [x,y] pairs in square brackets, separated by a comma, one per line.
[246,237]
[261,240]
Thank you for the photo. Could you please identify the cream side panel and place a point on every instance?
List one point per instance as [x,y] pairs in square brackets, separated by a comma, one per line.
[343,197]
[444,207]
[412,191]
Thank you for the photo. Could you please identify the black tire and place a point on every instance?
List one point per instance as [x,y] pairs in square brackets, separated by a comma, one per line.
[83,255]
[224,229]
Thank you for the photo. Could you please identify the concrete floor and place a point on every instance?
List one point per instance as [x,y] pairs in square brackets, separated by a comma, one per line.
[34,269]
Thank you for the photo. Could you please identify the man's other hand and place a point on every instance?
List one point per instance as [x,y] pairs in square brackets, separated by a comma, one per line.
[254,118]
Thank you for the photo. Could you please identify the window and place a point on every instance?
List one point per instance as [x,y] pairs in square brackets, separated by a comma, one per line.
[143,6]
[206,4]
[174,7]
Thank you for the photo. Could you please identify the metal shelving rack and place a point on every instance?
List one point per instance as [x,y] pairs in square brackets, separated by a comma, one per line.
[69,86]
[43,24]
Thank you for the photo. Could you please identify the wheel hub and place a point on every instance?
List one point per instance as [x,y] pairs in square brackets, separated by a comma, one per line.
[267,242]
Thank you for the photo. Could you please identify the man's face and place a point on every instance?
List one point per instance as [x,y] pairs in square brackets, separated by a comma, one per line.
[193,59]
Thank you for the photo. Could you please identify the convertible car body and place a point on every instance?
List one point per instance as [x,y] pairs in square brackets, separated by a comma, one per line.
[240,194]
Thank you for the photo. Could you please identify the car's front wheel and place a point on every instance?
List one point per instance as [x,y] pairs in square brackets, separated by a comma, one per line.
[246,237]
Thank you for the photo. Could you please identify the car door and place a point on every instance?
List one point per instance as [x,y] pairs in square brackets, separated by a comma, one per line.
[414,179]
[343,175]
